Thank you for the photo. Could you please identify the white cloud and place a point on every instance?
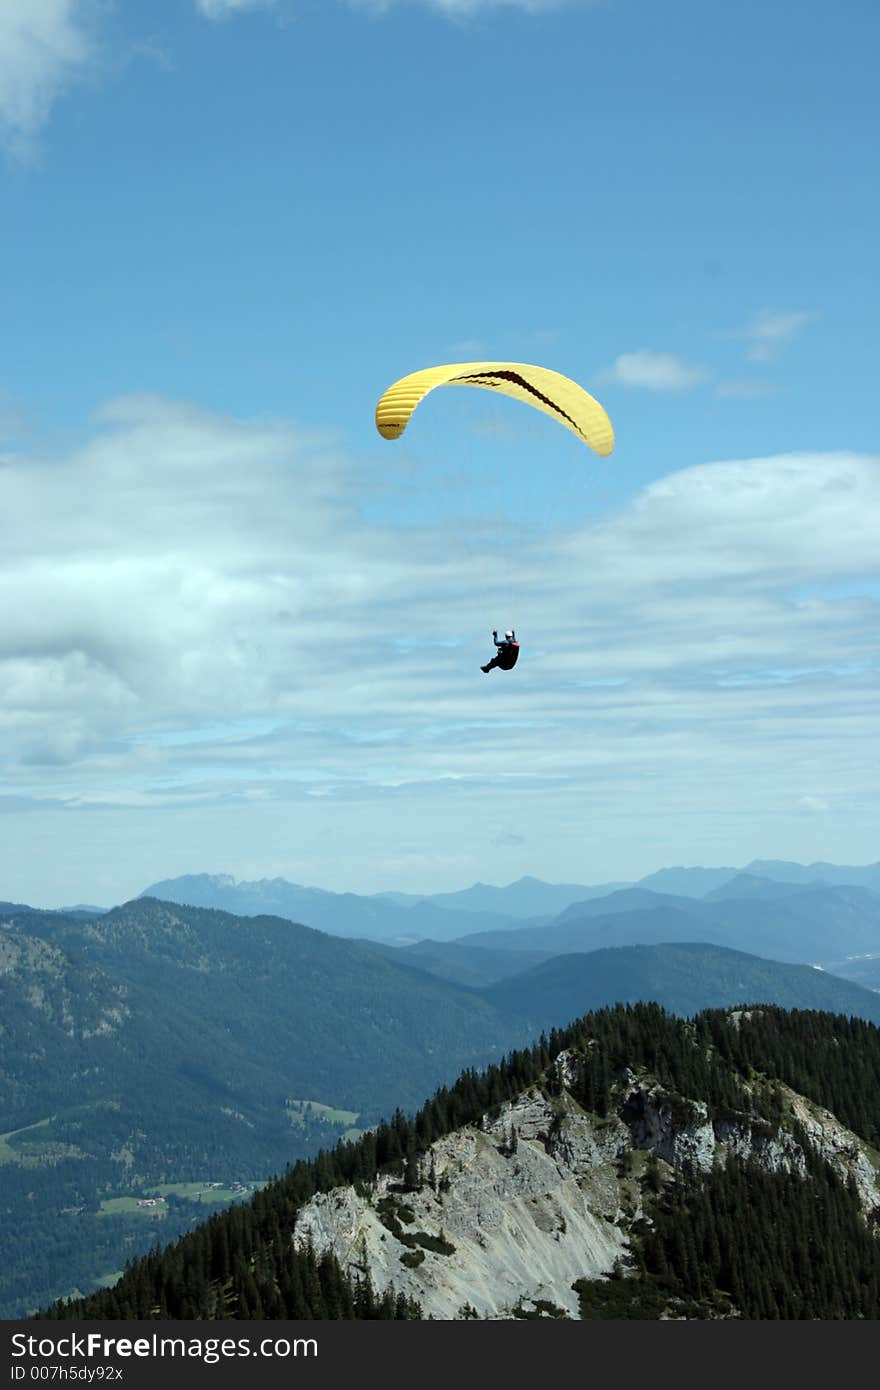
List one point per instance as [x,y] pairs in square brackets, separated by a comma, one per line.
[781,516]
[44,46]
[655,371]
[771,331]
[466,9]
[452,9]
[199,631]
[222,9]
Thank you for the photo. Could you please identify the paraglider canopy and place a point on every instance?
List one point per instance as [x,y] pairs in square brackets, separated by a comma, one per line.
[554,394]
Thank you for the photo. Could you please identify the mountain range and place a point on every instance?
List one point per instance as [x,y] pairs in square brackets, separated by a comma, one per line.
[401,919]
[157,1043]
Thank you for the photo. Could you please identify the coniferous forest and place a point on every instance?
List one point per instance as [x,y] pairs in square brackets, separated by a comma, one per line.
[736,1242]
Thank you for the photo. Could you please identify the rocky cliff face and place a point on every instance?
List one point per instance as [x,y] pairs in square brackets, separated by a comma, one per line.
[510,1214]
[516,1219]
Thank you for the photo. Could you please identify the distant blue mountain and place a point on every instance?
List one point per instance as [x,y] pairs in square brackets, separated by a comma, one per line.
[860,876]
[527,897]
[341,914]
[812,925]
[689,883]
[699,882]
[751,886]
[636,899]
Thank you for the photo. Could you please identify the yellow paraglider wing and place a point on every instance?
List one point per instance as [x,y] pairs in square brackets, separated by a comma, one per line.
[549,391]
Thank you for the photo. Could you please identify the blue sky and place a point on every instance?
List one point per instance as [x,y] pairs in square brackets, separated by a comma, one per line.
[241,633]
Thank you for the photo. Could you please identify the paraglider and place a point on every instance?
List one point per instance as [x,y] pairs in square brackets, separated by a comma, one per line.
[556,395]
[507,654]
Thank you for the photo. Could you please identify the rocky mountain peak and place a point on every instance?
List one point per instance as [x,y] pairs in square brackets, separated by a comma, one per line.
[507,1215]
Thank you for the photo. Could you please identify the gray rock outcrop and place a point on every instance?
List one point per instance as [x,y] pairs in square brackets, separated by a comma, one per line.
[515,1210]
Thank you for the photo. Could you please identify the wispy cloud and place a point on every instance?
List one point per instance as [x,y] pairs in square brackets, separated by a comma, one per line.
[771,331]
[44,47]
[466,9]
[654,371]
[508,839]
[452,9]
[195,619]
[222,9]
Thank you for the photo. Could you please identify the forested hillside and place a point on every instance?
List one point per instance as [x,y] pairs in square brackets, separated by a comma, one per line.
[758,1243]
[177,1053]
